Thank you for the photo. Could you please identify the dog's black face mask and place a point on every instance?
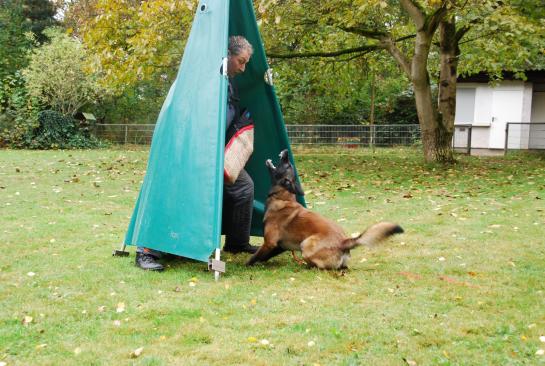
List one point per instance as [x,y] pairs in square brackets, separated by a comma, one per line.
[284,175]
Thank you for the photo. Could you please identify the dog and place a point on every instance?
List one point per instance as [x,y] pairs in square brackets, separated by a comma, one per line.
[290,226]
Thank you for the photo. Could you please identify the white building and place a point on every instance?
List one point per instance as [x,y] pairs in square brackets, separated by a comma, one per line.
[489,108]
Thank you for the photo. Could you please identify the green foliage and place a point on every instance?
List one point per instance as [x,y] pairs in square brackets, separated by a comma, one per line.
[56,131]
[13,41]
[39,15]
[401,111]
[131,45]
[140,103]
[58,77]
[18,112]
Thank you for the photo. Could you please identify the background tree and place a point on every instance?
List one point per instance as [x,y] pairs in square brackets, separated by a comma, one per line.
[135,41]
[58,75]
[416,34]
[38,15]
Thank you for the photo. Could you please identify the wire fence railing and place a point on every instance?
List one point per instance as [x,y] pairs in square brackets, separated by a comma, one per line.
[525,136]
[354,135]
[517,135]
[342,135]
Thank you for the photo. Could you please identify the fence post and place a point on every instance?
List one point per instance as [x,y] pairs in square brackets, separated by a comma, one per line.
[506,138]
[126,133]
[470,130]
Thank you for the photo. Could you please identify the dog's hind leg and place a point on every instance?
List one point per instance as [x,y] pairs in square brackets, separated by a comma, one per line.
[316,252]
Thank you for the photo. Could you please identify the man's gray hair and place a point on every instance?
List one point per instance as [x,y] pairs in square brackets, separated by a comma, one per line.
[237,44]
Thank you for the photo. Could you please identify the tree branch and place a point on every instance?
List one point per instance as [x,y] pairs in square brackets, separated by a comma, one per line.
[366,48]
[461,32]
[396,53]
[432,22]
[415,12]
[376,34]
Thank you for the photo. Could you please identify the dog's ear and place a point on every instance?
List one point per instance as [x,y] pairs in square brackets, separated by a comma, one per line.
[284,157]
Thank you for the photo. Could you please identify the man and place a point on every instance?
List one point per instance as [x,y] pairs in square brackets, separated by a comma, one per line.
[237,198]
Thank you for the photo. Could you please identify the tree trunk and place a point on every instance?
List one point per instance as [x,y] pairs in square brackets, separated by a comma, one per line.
[449,52]
[372,114]
[436,140]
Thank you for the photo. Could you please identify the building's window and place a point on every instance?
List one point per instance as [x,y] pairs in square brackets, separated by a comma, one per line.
[465,105]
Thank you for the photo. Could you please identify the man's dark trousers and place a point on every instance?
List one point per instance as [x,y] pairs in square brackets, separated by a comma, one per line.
[238,201]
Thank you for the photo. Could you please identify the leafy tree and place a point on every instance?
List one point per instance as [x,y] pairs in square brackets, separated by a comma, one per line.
[13,41]
[57,75]
[426,38]
[135,41]
[38,15]
[18,112]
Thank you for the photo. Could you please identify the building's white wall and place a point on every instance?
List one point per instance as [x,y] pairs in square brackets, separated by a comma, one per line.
[483,105]
[537,138]
[479,137]
[484,110]
[527,102]
[538,107]
[526,114]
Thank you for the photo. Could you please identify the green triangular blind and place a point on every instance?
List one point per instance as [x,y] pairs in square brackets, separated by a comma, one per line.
[179,207]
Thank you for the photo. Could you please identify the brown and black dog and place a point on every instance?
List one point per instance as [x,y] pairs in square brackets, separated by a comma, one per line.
[290,226]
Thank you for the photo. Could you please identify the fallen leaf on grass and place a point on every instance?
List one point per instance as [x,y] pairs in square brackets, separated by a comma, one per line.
[137,352]
[41,346]
[77,351]
[27,320]
[410,362]
[456,282]
[540,352]
[117,323]
[120,307]
[542,339]
[31,274]
[411,276]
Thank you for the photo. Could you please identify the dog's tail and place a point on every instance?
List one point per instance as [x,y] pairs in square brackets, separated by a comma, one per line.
[373,235]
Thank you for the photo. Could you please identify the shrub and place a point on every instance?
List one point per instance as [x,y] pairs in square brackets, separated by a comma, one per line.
[18,114]
[56,131]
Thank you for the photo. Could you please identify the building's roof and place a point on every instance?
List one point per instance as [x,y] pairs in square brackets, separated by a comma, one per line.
[536,76]
[89,116]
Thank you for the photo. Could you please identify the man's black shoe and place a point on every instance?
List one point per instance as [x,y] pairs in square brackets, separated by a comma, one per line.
[147,262]
[246,248]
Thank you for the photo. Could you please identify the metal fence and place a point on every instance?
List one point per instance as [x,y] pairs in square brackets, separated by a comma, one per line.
[344,135]
[525,136]
[138,134]
[354,135]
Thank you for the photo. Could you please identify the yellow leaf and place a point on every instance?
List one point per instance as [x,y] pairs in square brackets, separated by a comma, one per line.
[137,352]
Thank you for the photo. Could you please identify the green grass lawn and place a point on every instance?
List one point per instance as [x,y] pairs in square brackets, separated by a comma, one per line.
[463,286]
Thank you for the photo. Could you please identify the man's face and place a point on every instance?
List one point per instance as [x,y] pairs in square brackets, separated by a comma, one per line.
[237,63]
